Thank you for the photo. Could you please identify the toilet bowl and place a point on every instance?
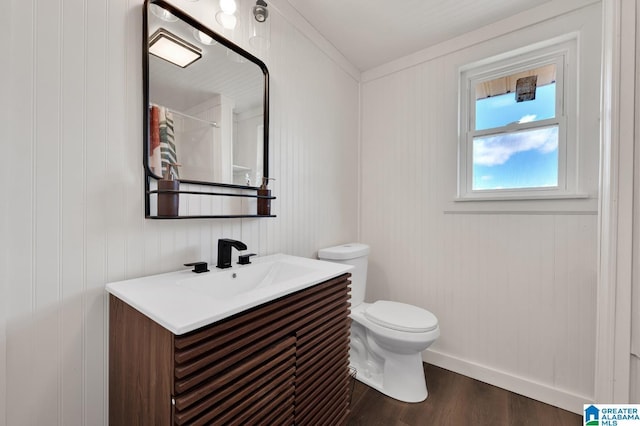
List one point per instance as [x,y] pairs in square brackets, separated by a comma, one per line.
[387,338]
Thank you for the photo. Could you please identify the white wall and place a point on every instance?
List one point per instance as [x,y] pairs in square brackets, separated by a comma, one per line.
[635,305]
[5,31]
[617,378]
[73,116]
[513,284]
[5,108]
[76,220]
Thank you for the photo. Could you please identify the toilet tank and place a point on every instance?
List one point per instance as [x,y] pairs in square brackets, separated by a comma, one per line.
[355,254]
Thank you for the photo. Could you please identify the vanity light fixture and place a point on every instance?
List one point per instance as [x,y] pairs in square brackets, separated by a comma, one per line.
[260,12]
[260,26]
[172,48]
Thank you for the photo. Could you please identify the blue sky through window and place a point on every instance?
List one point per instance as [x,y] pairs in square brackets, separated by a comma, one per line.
[523,159]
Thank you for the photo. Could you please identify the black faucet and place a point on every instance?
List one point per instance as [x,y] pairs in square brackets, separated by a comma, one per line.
[224,251]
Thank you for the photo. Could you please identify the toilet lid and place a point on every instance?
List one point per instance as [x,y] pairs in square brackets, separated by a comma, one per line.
[401,317]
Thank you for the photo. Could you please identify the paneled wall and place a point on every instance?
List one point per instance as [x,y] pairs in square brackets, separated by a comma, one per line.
[513,284]
[5,107]
[76,217]
[635,291]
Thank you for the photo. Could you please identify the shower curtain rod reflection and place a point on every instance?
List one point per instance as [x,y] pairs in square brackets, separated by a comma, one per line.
[211,123]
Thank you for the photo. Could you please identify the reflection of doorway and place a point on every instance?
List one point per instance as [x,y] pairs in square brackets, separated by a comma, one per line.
[203,138]
[248,148]
[195,138]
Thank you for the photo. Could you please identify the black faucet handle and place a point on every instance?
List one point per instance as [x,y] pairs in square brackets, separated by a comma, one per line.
[244,259]
[198,267]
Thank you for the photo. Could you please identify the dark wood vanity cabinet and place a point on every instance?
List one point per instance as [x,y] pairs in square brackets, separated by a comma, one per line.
[285,362]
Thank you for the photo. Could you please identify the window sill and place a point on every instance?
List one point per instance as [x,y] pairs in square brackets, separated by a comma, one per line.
[558,204]
[523,197]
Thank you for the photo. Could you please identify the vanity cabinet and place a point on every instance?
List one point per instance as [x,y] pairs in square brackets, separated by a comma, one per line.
[285,362]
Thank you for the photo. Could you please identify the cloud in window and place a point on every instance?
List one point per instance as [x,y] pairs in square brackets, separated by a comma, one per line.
[498,149]
[527,118]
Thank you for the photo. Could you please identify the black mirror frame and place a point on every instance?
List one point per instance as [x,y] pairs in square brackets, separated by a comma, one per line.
[145,97]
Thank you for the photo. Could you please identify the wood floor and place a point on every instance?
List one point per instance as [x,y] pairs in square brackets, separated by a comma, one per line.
[455,400]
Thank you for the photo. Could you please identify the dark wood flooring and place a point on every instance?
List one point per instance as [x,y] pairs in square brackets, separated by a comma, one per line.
[455,400]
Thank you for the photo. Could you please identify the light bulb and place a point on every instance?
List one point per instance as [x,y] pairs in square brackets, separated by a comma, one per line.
[228,6]
[228,21]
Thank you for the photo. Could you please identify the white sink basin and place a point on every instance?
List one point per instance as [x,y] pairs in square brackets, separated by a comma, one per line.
[183,301]
[231,282]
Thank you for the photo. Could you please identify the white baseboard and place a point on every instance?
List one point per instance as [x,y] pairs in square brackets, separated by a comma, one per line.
[541,392]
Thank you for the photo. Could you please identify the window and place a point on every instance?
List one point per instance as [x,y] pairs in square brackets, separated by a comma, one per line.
[515,140]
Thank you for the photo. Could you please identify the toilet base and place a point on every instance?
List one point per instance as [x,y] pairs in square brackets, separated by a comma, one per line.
[387,360]
[400,378]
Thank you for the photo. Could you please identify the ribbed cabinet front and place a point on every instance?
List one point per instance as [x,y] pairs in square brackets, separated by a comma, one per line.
[281,363]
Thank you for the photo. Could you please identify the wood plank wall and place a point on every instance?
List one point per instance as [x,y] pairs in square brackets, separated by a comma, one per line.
[513,284]
[635,307]
[76,218]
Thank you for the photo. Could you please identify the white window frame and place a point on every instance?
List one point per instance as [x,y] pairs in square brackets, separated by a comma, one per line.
[562,53]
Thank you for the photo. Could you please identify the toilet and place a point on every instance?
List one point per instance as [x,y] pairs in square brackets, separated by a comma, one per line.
[387,337]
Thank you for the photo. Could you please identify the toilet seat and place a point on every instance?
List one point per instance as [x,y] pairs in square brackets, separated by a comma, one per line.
[401,316]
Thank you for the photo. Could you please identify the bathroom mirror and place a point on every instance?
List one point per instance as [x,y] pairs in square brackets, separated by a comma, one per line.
[207,108]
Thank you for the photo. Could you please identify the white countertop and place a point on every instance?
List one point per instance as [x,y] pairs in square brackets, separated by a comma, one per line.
[180,307]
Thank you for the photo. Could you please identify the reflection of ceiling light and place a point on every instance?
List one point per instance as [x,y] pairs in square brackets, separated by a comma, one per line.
[226,20]
[172,48]
[228,6]
[226,16]
[163,14]
[203,38]
[260,11]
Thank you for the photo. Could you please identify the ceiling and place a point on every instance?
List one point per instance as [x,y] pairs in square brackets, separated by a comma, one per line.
[218,72]
[372,32]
